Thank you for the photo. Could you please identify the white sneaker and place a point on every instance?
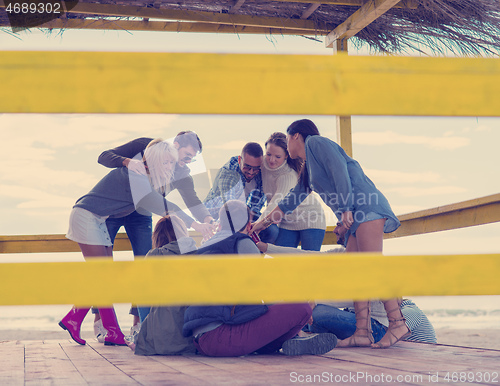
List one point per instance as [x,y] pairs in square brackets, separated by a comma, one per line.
[134,330]
[99,331]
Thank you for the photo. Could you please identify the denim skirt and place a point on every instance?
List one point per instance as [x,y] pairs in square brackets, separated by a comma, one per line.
[88,228]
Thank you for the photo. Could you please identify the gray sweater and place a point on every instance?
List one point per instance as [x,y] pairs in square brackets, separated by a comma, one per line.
[182,181]
[120,192]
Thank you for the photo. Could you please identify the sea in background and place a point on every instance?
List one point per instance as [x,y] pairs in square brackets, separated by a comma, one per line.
[449,312]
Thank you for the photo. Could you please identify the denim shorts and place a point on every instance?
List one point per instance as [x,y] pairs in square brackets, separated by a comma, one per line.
[88,228]
[370,216]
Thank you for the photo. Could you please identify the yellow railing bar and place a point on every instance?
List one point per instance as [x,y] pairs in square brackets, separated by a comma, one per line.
[103,82]
[222,279]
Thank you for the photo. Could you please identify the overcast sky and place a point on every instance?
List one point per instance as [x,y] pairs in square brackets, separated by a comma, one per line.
[418,163]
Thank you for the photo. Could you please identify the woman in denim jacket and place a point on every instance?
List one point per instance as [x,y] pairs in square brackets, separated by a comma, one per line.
[357,203]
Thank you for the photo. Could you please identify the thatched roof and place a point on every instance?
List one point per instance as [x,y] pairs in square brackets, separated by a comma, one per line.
[464,27]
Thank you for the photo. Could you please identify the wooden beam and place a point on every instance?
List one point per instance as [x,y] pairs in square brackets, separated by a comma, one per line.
[237,5]
[370,11]
[484,210]
[264,84]
[343,122]
[59,243]
[51,243]
[340,46]
[170,26]
[199,16]
[344,133]
[309,11]
[241,279]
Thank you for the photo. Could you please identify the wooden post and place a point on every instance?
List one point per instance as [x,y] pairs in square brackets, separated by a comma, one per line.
[344,131]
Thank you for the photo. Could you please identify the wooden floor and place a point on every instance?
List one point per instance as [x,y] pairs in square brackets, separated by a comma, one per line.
[62,362]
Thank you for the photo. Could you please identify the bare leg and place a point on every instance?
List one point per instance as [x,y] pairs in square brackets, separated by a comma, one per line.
[398,330]
[369,238]
[90,251]
[362,337]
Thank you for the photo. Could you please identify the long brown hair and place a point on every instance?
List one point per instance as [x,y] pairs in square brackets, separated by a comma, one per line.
[167,230]
[279,139]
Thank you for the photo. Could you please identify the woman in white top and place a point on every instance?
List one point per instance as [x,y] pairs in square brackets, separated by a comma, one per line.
[306,224]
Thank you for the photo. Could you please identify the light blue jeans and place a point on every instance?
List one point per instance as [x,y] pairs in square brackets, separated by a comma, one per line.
[340,322]
[310,239]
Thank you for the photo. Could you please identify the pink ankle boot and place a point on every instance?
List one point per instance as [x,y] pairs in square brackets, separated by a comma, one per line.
[72,323]
[114,337]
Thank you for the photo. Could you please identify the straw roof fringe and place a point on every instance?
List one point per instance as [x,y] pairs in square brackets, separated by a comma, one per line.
[461,27]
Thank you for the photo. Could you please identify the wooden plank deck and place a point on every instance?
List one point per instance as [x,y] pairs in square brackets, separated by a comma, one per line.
[62,362]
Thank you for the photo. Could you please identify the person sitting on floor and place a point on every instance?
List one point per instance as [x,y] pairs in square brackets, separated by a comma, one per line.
[329,317]
[170,237]
[161,327]
[342,322]
[229,331]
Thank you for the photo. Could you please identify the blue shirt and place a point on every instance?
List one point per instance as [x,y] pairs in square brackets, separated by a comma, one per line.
[229,184]
[341,183]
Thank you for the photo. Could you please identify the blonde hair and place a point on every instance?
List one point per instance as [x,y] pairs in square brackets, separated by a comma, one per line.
[157,152]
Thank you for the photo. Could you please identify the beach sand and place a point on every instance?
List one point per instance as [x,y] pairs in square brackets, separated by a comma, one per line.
[479,338]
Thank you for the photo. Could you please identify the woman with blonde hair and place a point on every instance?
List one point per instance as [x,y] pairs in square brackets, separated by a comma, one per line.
[118,194]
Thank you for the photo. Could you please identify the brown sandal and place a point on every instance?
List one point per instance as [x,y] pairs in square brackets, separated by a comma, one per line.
[393,338]
[355,339]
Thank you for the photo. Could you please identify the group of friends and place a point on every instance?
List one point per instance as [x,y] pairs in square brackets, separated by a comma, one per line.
[231,219]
